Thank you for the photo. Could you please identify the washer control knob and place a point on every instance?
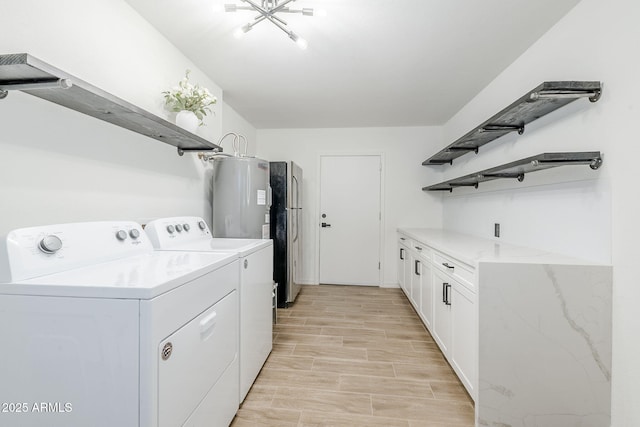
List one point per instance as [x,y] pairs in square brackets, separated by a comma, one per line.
[202,225]
[178,228]
[121,235]
[186,227]
[50,244]
[171,229]
[134,233]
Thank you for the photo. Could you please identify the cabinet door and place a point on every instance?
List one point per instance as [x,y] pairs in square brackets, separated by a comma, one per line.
[426,294]
[416,281]
[464,336]
[407,273]
[441,310]
[402,259]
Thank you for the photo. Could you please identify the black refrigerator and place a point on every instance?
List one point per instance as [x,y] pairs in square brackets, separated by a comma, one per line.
[286,228]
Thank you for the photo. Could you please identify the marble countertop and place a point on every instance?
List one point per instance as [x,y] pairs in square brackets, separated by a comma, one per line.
[472,250]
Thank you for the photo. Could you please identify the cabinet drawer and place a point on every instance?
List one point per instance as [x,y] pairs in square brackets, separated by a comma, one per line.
[464,273]
[421,250]
[404,240]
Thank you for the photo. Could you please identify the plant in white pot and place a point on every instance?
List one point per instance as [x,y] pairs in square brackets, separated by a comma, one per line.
[191,102]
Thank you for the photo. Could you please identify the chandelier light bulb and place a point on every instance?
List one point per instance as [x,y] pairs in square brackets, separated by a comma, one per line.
[302,43]
[240,32]
[322,13]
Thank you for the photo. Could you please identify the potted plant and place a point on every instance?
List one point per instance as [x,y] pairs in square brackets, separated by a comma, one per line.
[191,102]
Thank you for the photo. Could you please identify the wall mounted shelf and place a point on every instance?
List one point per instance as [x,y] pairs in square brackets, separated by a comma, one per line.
[30,75]
[518,169]
[542,100]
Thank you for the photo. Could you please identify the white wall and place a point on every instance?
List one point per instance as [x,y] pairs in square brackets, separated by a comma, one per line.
[405,204]
[60,166]
[574,211]
[234,122]
[565,210]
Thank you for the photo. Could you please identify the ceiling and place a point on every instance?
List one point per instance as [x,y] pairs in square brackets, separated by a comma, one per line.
[369,62]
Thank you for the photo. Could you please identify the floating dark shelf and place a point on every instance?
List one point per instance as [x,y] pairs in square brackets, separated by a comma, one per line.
[547,97]
[518,169]
[30,75]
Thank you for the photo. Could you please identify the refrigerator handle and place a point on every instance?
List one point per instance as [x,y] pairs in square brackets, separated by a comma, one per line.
[297,192]
[296,208]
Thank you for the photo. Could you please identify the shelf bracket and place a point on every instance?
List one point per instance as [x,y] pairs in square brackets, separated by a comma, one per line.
[34,85]
[593,95]
[502,128]
[474,149]
[518,176]
[474,185]
[594,163]
[181,151]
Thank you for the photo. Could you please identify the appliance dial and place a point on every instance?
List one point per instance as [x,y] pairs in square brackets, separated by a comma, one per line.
[50,244]
[170,229]
[202,225]
[134,233]
[178,228]
[186,227]
[121,235]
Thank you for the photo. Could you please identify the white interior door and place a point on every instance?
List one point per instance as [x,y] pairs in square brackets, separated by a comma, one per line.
[350,218]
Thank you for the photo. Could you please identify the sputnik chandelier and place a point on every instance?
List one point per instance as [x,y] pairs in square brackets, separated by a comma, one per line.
[267,10]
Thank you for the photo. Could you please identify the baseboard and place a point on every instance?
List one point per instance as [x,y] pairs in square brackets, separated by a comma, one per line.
[390,285]
[384,285]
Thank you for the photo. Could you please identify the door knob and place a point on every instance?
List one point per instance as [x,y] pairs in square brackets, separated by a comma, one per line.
[325,225]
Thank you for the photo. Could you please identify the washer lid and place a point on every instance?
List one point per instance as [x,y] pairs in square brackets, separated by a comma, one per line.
[139,277]
[241,247]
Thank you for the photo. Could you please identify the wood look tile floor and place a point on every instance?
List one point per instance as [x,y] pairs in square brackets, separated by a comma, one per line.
[354,356]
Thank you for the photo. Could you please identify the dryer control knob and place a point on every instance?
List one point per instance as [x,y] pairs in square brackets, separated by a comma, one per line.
[134,233]
[178,228]
[121,235]
[202,225]
[186,227]
[171,229]
[50,244]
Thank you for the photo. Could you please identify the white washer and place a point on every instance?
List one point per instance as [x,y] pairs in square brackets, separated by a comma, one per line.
[98,329]
[256,284]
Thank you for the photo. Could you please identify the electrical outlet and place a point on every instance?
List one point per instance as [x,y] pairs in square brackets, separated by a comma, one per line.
[496,229]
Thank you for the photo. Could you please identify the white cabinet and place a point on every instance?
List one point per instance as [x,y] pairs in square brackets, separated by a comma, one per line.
[403,261]
[426,293]
[463,354]
[442,291]
[416,281]
[501,342]
[455,320]
[441,330]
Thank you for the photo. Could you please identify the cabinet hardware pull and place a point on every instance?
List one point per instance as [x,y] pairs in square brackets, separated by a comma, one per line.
[401,253]
[444,292]
[417,268]
[448,294]
[418,248]
[446,264]
[402,238]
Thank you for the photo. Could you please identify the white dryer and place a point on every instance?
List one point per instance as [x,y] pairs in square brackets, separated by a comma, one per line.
[256,283]
[98,329]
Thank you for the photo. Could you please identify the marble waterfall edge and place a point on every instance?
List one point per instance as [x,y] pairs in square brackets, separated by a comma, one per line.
[545,345]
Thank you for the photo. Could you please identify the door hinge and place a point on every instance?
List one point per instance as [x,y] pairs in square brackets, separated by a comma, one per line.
[378,265]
